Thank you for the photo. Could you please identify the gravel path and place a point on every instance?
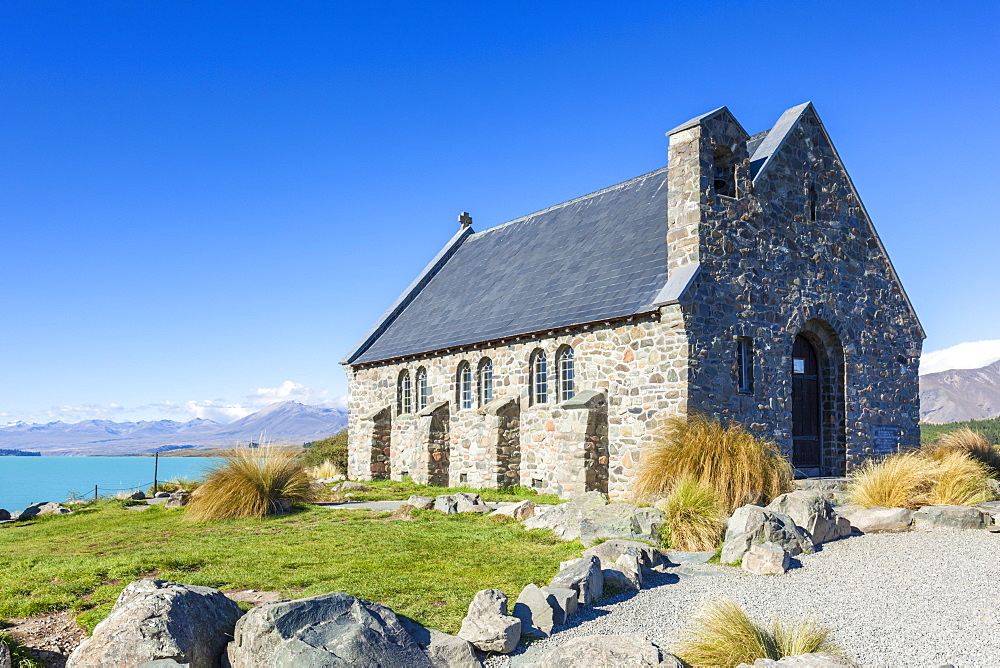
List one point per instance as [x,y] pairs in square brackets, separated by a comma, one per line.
[911,599]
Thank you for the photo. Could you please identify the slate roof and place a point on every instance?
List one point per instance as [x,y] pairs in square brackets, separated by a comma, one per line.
[596,257]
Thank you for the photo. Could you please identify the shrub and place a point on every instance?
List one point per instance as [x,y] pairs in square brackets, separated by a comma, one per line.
[250,482]
[187,484]
[325,469]
[736,464]
[332,449]
[693,516]
[972,443]
[723,635]
[914,479]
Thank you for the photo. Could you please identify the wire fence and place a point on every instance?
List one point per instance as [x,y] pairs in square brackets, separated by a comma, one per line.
[99,492]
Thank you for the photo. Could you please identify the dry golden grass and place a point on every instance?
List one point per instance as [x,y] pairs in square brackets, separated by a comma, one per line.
[915,479]
[722,635]
[325,469]
[250,482]
[971,443]
[693,517]
[736,464]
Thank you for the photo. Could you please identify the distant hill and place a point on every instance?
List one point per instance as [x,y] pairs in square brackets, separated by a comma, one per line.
[960,394]
[283,423]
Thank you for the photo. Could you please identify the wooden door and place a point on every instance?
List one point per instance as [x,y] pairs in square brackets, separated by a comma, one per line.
[806,405]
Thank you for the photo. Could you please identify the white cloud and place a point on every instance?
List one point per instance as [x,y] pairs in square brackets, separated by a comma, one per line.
[292,391]
[86,412]
[207,409]
[969,355]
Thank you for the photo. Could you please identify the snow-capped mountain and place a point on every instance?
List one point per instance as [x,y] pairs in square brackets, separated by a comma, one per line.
[960,394]
[284,423]
[968,355]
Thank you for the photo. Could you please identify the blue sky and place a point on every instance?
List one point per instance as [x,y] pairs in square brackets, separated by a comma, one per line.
[204,205]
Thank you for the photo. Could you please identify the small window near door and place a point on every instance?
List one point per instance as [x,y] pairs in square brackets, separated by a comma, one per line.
[744,364]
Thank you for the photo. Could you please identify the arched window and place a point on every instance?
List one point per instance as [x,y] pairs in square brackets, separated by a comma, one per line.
[464,385]
[539,381]
[484,381]
[404,395]
[422,392]
[564,364]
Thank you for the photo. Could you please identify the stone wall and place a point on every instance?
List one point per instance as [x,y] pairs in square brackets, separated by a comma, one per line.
[636,367]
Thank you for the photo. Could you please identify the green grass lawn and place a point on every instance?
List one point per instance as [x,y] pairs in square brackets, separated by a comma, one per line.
[428,567]
[400,490]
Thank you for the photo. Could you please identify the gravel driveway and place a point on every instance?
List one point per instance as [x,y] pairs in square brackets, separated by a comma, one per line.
[916,599]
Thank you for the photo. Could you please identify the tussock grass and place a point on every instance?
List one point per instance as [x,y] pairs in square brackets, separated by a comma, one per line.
[915,479]
[723,635]
[325,469]
[250,482]
[693,517]
[972,443]
[740,467]
[187,484]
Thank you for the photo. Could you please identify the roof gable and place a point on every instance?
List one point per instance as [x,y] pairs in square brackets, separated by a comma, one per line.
[597,257]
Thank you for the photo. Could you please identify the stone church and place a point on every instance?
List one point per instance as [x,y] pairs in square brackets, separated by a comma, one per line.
[744,280]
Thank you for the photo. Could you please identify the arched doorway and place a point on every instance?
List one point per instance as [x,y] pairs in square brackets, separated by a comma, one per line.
[807,406]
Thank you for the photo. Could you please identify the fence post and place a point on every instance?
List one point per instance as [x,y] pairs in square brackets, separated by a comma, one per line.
[156,469]
[95,492]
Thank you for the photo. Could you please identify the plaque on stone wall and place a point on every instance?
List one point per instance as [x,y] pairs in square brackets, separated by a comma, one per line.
[885,439]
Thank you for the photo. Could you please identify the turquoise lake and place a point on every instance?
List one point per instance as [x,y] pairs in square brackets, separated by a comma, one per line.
[27,480]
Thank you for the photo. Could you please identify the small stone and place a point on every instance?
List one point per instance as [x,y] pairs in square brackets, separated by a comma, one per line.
[881,520]
[420,502]
[466,500]
[446,504]
[564,602]
[584,576]
[487,624]
[765,559]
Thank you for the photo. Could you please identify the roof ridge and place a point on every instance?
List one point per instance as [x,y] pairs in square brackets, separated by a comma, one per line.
[581,198]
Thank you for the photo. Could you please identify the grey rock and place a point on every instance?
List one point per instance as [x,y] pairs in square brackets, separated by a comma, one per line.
[994,486]
[564,601]
[4,514]
[766,559]
[421,502]
[480,508]
[464,501]
[177,499]
[446,503]
[752,525]
[631,650]
[812,512]
[328,630]
[993,508]
[164,663]
[630,565]
[42,509]
[584,576]
[5,658]
[951,517]
[881,520]
[816,660]
[162,495]
[564,518]
[620,520]
[156,619]
[537,611]
[351,486]
[443,650]
[136,496]
[613,577]
[519,511]
[487,624]
[609,551]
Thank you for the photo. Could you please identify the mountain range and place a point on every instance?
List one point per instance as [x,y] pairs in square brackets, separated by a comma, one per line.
[957,395]
[287,422]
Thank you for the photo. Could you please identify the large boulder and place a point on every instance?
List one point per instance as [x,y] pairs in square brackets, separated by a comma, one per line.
[519,511]
[765,559]
[446,503]
[631,650]
[443,650]
[816,660]
[881,520]
[753,525]
[620,520]
[156,619]
[4,514]
[812,512]
[582,575]
[328,630]
[564,518]
[564,602]
[537,611]
[951,517]
[609,551]
[178,499]
[42,509]
[465,501]
[420,502]
[487,624]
